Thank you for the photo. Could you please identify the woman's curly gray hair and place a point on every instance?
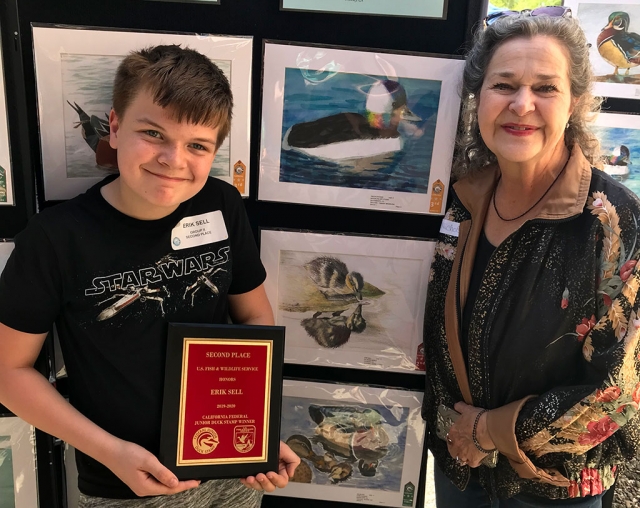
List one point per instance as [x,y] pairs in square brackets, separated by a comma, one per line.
[473,154]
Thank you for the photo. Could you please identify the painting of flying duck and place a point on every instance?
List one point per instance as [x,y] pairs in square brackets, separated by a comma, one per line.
[18,483]
[348,301]
[6,176]
[354,442]
[357,129]
[619,136]
[613,31]
[434,9]
[74,73]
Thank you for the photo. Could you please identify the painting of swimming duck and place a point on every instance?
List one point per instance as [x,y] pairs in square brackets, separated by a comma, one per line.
[613,31]
[353,440]
[74,75]
[619,136]
[348,301]
[356,128]
[6,178]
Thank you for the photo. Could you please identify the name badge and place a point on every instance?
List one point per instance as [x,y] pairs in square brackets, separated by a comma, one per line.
[450,228]
[199,230]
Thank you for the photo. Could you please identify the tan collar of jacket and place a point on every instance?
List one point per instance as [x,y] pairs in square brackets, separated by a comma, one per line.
[566,198]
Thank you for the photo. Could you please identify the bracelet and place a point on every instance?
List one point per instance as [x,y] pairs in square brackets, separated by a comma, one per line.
[475,429]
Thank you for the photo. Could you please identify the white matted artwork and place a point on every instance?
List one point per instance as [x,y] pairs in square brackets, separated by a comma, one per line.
[612,28]
[357,444]
[357,129]
[6,248]
[348,301]
[619,136]
[6,176]
[18,476]
[75,68]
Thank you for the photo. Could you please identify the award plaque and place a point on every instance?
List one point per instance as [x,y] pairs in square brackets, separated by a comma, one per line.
[222,400]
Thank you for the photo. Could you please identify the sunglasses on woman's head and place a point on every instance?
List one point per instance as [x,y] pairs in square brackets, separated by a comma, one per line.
[555,11]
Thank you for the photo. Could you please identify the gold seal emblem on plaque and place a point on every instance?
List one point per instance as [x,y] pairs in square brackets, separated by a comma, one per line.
[244,438]
[205,440]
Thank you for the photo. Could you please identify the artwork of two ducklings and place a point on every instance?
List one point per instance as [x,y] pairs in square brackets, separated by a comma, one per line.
[335,295]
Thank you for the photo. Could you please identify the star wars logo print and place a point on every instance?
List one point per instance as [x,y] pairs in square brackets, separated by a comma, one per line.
[126,288]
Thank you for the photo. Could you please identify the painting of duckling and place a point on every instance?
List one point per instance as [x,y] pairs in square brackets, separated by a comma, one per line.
[333,278]
[333,331]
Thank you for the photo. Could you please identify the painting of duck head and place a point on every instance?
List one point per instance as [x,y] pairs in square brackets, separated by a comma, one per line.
[87,82]
[359,131]
[612,28]
[619,136]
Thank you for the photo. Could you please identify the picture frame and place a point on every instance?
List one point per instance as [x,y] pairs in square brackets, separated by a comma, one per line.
[412,9]
[211,2]
[222,400]
[357,128]
[6,248]
[346,300]
[6,173]
[18,474]
[358,444]
[619,136]
[520,5]
[605,51]
[74,69]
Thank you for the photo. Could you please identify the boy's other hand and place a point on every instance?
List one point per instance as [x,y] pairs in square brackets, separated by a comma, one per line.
[272,480]
[143,472]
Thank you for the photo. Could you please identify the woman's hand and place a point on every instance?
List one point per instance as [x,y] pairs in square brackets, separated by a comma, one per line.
[460,440]
[269,482]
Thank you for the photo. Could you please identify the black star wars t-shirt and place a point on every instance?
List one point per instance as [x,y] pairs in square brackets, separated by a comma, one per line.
[111,283]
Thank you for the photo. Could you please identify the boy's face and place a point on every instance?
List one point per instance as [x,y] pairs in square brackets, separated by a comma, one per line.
[162,162]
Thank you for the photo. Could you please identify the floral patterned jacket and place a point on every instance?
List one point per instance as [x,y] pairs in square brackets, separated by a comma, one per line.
[553,341]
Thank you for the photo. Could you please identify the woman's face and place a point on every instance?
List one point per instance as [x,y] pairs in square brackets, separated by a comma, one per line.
[525,101]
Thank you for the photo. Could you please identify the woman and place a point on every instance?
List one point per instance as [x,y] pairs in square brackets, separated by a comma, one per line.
[532,327]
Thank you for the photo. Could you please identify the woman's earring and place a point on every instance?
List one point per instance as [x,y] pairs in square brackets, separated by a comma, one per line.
[567,126]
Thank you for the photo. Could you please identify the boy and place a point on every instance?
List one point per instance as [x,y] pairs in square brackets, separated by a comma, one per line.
[113,266]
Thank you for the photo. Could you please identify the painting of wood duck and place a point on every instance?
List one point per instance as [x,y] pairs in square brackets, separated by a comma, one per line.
[617,45]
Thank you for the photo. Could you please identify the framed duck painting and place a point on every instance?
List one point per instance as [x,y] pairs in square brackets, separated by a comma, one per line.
[434,9]
[613,32]
[619,136]
[18,471]
[352,301]
[75,68]
[357,444]
[357,128]
[6,176]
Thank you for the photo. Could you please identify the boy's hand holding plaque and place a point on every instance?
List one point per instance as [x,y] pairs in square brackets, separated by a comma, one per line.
[222,400]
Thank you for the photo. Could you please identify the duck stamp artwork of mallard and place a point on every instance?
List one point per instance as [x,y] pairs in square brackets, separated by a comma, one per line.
[617,45]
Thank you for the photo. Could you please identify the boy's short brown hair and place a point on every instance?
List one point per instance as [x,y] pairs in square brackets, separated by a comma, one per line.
[180,79]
